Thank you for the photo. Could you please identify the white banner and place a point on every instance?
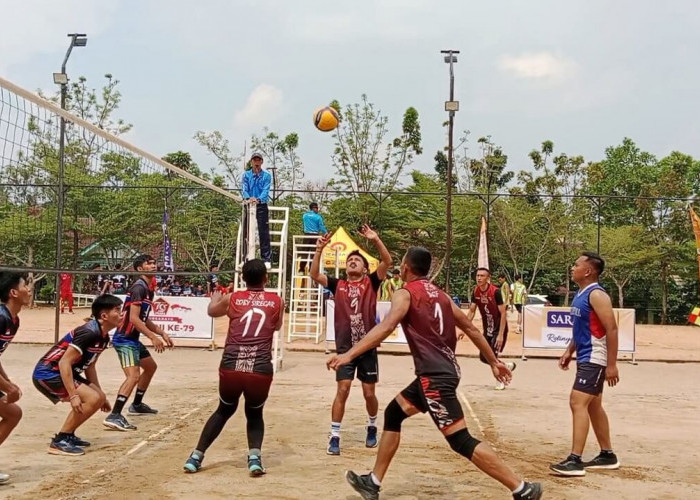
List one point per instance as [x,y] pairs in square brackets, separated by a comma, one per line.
[396,337]
[551,328]
[182,317]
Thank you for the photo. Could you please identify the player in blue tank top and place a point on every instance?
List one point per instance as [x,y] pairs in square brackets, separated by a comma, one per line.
[595,342]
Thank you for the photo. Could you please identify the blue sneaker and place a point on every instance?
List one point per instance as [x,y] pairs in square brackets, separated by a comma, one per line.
[371,440]
[64,447]
[334,446]
[194,463]
[255,466]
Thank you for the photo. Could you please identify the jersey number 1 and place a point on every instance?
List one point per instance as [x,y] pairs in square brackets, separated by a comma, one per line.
[438,314]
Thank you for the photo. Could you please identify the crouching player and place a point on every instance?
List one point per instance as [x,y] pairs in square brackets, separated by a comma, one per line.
[58,374]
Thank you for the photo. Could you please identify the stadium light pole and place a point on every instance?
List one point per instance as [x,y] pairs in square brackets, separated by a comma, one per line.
[451,107]
[76,40]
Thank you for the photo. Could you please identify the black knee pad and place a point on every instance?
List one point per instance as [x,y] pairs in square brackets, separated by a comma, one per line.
[463,443]
[393,416]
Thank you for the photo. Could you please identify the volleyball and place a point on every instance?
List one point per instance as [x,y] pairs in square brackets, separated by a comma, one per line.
[326,119]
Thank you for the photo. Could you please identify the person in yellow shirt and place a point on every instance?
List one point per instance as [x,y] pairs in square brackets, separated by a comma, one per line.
[390,285]
[519,299]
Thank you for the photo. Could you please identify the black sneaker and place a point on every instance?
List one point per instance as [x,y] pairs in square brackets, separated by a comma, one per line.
[603,461]
[79,442]
[531,491]
[371,439]
[141,409]
[64,447]
[118,422]
[569,467]
[363,485]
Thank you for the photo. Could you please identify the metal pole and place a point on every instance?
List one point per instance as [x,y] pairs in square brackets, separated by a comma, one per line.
[448,210]
[60,205]
[598,220]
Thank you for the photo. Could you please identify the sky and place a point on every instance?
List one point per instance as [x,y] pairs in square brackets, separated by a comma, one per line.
[582,73]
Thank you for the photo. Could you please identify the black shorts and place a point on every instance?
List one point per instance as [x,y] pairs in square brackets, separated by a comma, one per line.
[54,389]
[436,394]
[590,378]
[367,367]
[255,387]
[519,307]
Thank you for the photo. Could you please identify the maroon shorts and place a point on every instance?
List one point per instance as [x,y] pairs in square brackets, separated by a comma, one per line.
[255,387]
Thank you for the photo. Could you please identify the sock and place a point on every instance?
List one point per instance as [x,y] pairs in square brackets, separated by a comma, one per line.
[138,397]
[575,457]
[198,454]
[335,429]
[61,436]
[372,421]
[374,479]
[520,488]
[254,452]
[119,404]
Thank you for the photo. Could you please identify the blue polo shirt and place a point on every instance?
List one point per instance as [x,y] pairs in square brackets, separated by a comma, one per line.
[313,223]
[256,185]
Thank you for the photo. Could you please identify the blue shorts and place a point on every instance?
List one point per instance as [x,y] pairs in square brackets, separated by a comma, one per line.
[131,354]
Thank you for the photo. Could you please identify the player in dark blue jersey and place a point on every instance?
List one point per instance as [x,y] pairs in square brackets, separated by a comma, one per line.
[59,373]
[137,363]
[14,294]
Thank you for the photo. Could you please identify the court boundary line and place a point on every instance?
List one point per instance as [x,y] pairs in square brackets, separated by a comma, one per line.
[161,432]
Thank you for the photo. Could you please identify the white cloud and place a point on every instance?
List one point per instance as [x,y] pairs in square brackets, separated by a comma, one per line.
[261,108]
[41,27]
[543,66]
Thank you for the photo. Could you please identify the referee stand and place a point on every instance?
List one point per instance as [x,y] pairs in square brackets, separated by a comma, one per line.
[306,304]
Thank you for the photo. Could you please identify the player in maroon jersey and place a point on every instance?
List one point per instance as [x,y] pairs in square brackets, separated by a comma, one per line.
[355,314]
[428,317]
[246,365]
[487,297]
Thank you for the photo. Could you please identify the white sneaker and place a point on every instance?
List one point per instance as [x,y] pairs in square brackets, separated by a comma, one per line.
[268,265]
[4,478]
[500,387]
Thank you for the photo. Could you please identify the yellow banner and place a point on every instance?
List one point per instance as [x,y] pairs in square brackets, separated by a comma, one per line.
[339,247]
[696,227]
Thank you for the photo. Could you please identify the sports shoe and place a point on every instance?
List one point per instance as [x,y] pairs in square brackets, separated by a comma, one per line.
[511,365]
[64,447]
[193,463]
[334,446]
[363,485]
[268,265]
[255,466]
[531,491]
[4,478]
[603,461]
[371,440]
[500,387]
[79,442]
[118,422]
[141,409]
[570,466]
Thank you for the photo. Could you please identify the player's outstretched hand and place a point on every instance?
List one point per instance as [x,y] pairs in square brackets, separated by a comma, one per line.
[158,344]
[336,361]
[323,241]
[502,373]
[76,403]
[368,232]
[564,361]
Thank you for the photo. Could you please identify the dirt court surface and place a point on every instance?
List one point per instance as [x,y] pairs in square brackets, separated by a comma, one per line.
[653,412]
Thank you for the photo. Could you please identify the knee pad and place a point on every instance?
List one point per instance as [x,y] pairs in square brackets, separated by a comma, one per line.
[225,409]
[463,443]
[393,416]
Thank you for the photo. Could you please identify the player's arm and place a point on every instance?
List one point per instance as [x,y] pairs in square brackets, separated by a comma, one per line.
[280,320]
[65,366]
[503,321]
[400,303]
[471,311]
[218,305]
[91,376]
[565,358]
[142,327]
[601,304]
[384,255]
[159,331]
[315,271]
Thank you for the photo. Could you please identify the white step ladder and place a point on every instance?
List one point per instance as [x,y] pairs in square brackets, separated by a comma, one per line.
[306,301]
[246,245]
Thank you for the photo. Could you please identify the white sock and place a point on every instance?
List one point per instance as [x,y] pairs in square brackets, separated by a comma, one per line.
[372,421]
[520,488]
[335,429]
[374,479]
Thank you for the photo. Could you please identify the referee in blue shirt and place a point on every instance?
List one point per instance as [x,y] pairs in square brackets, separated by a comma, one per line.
[313,225]
[256,190]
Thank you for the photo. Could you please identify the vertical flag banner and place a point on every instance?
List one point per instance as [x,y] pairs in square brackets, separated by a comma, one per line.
[696,227]
[168,263]
[483,257]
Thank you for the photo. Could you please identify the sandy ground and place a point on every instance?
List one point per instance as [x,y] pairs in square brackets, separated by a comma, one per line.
[653,415]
